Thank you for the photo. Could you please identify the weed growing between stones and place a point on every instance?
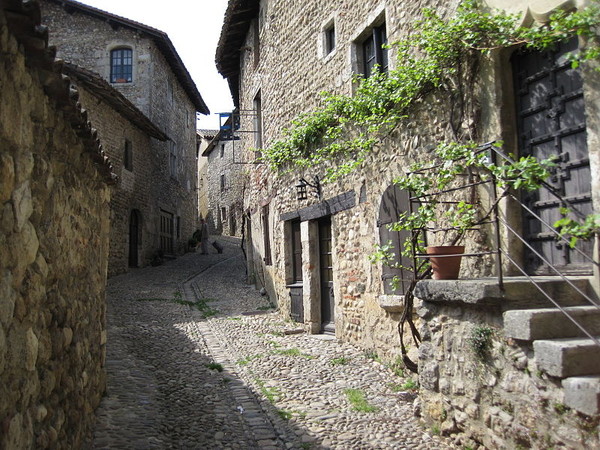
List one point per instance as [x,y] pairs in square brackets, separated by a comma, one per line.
[285,415]
[340,361]
[357,399]
[292,352]
[247,359]
[269,392]
[215,366]
[200,305]
[371,354]
[410,385]
[481,341]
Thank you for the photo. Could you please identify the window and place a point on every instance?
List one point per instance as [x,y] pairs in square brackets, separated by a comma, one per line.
[256,42]
[223,214]
[296,242]
[222,150]
[222,182]
[258,137]
[128,156]
[166,232]
[121,65]
[173,159]
[266,235]
[329,38]
[372,51]
[394,202]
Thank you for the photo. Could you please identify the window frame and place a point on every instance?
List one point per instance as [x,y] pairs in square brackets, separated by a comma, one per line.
[377,37]
[121,73]
[128,155]
[329,39]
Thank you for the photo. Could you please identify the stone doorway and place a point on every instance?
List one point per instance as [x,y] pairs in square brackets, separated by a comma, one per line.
[326,276]
[551,121]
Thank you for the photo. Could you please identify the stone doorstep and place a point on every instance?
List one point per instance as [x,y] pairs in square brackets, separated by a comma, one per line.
[518,293]
[549,323]
[567,357]
[583,394]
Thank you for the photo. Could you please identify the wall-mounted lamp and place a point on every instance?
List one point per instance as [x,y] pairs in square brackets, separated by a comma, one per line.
[302,188]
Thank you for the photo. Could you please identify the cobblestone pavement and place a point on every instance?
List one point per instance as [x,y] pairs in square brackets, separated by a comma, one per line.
[228,373]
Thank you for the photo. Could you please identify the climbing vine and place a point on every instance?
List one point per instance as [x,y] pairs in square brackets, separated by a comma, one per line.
[347,128]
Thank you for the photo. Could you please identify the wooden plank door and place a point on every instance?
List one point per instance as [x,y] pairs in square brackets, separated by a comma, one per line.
[551,121]
[326,272]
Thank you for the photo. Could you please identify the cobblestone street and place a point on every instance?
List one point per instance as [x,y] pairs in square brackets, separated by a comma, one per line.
[229,373]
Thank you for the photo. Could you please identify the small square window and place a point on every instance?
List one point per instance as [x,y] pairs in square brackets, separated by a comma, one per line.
[329,36]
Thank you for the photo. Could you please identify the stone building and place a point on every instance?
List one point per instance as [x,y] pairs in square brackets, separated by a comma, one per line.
[54,233]
[309,242]
[224,183]
[154,210]
[204,139]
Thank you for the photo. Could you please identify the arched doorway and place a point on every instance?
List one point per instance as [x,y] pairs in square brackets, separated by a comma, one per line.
[135,228]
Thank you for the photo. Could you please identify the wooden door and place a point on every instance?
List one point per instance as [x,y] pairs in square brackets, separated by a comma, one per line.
[296,291]
[551,121]
[326,273]
[394,202]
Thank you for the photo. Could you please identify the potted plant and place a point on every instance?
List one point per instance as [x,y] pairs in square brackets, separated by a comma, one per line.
[445,195]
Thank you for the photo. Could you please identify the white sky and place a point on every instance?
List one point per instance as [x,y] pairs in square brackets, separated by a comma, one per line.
[194,27]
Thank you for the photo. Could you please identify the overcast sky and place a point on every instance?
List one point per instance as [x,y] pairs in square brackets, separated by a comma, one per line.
[194,27]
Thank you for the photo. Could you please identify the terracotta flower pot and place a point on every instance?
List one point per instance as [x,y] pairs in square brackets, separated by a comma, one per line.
[446,267]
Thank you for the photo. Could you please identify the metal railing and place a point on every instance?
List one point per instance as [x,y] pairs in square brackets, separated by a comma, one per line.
[499,223]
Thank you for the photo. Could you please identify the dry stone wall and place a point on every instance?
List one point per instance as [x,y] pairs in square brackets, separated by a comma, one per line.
[491,390]
[54,229]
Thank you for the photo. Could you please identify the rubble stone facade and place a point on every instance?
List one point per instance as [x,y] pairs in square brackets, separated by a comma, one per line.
[277,72]
[225,182]
[54,231]
[155,210]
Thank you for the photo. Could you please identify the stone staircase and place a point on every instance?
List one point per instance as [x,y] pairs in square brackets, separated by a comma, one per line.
[560,348]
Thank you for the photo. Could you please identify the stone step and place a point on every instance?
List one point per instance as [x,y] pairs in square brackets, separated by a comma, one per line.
[525,294]
[567,357]
[518,292]
[583,394]
[549,323]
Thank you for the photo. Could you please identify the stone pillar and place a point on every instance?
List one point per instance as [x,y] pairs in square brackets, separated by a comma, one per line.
[309,232]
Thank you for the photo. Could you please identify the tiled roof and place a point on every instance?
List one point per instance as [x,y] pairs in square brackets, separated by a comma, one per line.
[207,134]
[161,39]
[238,16]
[23,19]
[102,89]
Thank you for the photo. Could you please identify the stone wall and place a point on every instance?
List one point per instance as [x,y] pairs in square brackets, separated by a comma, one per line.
[132,192]
[87,41]
[495,396]
[292,37]
[225,185]
[54,229]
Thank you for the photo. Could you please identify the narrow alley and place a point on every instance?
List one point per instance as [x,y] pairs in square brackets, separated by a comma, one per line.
[229,373]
